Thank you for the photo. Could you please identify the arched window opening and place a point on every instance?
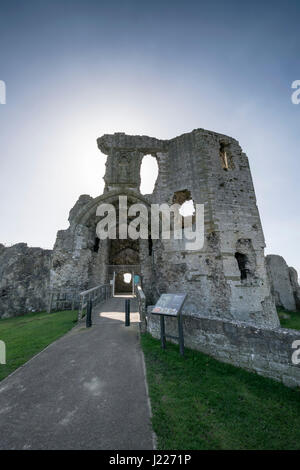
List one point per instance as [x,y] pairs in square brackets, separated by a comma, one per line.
[149,174]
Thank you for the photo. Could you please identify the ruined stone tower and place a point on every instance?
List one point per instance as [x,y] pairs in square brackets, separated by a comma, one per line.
[226,279]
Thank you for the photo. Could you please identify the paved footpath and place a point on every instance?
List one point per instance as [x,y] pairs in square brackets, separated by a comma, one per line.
[85,391]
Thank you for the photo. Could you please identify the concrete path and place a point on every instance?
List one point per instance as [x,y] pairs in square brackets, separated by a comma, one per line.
[85,391]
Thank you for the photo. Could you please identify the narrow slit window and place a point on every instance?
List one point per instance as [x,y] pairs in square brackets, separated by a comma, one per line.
[224,157]
[150,245]
[96,245]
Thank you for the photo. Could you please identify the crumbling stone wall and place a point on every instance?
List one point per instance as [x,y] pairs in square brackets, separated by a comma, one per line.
[193,164]
[72,253]
[24,279]
[284,283]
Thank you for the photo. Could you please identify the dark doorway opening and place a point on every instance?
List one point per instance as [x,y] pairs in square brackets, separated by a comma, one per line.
[242,261]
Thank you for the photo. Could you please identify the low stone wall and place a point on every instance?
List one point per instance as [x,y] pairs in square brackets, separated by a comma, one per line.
[267,352]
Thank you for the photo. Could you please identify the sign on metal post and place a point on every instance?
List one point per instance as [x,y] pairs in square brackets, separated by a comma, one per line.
[170,305]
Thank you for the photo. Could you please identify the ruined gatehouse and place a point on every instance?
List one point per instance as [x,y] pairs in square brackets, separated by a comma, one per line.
[226,279]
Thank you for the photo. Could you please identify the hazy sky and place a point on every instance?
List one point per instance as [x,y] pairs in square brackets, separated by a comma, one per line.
[76,69]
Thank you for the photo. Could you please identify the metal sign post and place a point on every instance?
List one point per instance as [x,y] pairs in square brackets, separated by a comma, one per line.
[162,332]
[170,305]
[127,312]
[89,309]
[114,282]
[180,334]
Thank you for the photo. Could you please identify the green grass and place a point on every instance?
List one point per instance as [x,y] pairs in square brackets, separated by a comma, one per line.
[289,319]
[201,403]
[25,336]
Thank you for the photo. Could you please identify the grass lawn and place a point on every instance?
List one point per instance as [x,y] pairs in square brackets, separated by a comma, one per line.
[201,403]
[27,335]
[289,319]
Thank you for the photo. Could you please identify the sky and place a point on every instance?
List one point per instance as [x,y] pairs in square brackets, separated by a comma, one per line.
[77,69]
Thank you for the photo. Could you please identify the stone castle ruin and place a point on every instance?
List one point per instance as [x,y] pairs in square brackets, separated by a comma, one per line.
[230,310]
[226,279]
